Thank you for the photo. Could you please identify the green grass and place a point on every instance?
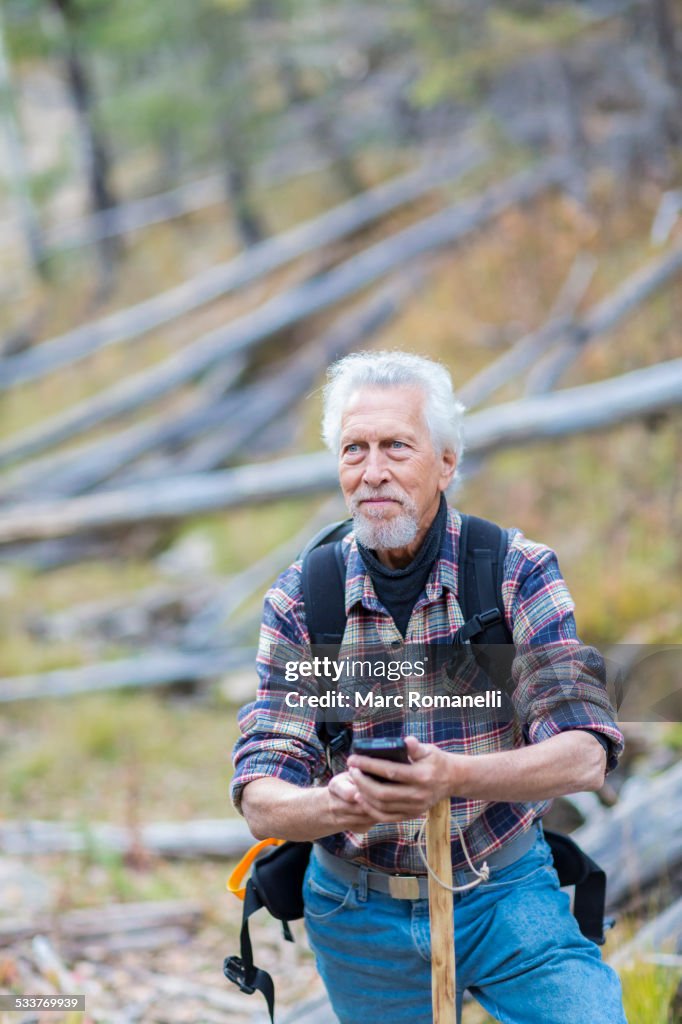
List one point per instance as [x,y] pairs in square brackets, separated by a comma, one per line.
[460,67]
[111,757]
[647,991]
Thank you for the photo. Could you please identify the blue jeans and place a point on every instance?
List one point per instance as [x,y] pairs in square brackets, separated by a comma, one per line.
[518,948]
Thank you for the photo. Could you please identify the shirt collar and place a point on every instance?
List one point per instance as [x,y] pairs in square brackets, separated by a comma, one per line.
[359,587]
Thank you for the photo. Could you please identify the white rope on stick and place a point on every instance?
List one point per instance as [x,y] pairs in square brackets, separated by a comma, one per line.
[481,876]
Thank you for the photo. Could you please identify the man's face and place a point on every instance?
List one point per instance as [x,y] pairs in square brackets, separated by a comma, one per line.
[390,474]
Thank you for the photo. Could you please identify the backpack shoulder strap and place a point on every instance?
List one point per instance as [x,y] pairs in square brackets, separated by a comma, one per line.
[329,533]
[482,549]
[324,585]
[323,580]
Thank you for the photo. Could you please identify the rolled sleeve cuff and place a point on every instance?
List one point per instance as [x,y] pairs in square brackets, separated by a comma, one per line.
[267,766]
[573,715]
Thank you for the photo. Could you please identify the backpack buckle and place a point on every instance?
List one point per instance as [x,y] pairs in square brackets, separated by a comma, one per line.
[476,625]
[489,618]
[337,745]
[235,971]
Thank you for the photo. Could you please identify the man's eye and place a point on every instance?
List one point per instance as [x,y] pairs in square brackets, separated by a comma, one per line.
[352,449]
[398,444]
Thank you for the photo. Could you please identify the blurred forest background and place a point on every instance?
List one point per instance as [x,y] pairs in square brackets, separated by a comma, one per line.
[201,206]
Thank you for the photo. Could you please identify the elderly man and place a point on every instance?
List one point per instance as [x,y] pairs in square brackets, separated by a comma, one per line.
[395,426]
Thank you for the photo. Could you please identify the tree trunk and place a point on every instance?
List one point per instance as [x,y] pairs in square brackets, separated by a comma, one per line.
[248,222]
[325,135]
[666,29]
[17,168]
[94,149]
[666,33]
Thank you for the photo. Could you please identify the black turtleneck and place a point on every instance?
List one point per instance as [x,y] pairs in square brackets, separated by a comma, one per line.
[399,589]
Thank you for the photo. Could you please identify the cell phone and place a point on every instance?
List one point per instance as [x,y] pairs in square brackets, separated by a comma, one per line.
[383,748]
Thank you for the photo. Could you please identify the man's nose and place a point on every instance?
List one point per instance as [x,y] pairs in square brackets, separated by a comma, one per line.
[376,469]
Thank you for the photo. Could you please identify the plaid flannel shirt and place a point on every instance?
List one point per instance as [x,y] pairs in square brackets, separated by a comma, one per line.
[280,743]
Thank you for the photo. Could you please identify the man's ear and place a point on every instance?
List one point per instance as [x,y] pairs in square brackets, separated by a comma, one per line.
[448,467]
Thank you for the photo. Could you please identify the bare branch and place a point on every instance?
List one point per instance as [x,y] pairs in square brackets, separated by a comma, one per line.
[282,311]
[572,411]
[226,278]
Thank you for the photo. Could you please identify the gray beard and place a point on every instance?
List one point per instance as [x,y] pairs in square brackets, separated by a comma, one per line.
[385,534]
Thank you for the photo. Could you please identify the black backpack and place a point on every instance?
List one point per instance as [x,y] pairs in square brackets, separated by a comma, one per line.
[277,877]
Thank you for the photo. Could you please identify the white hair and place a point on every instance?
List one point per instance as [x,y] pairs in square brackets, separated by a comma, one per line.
[444,415]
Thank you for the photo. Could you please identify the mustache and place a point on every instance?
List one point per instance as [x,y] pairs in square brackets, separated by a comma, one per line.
[368,494]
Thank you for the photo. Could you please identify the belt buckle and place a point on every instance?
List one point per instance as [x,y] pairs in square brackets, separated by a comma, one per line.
[403,887]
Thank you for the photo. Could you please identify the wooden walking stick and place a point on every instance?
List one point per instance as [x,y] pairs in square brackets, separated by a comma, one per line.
[441,915]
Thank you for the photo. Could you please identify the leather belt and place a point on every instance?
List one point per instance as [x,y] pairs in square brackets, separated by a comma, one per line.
[416,887]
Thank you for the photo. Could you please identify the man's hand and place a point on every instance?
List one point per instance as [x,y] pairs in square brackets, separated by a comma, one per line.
[410,789]
[346,807]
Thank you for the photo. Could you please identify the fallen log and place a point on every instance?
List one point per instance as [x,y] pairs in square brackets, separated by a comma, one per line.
[572,411]
[578,410]
[127,917]
[135,214]
[539,348]
[231,424]
[282,311]
[104,947]
[43,556]
[602,318]
[76,471]
[226,278]
[122,618]
[220,838]
[125,921]
[205,625]
[663,931]
[639,841]
[148,669]
[197,611]
[528,349]
[267,401]
[79,470]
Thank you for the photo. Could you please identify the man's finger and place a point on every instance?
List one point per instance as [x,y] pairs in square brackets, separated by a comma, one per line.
[378,766]
[344,787]
[394,800]
[416,750]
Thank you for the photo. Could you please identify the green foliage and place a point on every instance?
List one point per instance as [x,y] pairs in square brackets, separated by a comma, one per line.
[673,737]
[107,757]
[647,991]
[45,183]
[463,45]
[31,767]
